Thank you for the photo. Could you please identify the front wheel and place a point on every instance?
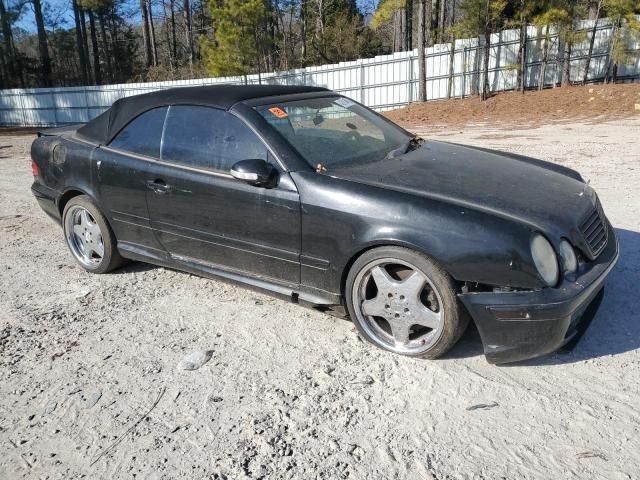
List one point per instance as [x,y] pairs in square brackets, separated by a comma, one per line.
[89,236]
[402,301]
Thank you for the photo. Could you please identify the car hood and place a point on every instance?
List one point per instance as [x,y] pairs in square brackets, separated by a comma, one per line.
[541,194]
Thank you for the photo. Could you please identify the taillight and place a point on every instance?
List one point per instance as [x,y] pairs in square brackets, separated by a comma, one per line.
[34,168]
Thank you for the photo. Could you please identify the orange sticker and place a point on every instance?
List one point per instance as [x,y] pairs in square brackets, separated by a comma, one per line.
[278,112]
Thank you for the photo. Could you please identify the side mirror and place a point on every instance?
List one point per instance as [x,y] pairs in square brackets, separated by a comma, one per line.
[254,172]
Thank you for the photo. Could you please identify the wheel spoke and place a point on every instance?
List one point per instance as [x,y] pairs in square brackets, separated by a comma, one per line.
[412,286]
[383,280]
[400,331]
[426,317]
[95,230]
[84,219]
[99,248]
[78,230]
[374,307]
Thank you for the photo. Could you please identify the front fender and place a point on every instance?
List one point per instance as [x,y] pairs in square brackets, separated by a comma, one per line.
[341,219]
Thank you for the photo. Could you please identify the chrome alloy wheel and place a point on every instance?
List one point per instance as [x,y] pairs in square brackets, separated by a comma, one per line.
[84,236]
[398,306]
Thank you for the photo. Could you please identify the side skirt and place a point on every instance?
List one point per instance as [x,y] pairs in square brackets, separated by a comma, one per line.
[293,293]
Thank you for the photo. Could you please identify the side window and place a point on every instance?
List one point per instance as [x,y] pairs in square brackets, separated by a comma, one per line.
[142,135]
[208,138]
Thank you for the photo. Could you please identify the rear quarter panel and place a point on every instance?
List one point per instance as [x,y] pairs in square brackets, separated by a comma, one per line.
[65,165]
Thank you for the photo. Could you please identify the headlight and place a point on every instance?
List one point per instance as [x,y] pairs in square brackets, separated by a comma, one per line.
[568,257]
[545,259]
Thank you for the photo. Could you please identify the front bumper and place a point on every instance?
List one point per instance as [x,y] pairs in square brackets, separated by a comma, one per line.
[521,325]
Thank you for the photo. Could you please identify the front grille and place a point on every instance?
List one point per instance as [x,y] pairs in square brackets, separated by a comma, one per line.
[594,230]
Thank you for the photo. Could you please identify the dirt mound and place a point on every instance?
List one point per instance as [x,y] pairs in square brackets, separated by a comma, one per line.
[598,102]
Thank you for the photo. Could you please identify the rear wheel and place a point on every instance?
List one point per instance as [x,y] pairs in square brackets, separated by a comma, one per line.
[402,301]
[89,236]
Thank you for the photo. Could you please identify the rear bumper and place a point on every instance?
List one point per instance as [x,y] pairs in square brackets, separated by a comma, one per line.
[521,325]
[46,197]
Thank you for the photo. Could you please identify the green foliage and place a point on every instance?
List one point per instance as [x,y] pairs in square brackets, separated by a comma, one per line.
[346,39]
[619,9]
[561,14]
[524,11]
[480,17]
[384,12]
[96,5]
[235,47]
[623,14]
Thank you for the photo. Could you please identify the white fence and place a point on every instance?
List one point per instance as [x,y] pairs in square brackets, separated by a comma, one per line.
[383,82]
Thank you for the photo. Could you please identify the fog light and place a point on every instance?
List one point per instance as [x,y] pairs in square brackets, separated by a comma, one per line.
[568,257]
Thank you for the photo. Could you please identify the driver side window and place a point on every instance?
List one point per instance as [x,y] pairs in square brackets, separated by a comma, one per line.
[208,138]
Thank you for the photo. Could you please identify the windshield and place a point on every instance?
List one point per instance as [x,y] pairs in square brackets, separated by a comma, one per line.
[332,132]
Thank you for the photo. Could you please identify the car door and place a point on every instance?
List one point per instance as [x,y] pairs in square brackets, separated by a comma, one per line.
[122,168]
[201,213]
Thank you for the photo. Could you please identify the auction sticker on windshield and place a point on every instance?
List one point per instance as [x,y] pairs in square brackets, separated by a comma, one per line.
[278,112]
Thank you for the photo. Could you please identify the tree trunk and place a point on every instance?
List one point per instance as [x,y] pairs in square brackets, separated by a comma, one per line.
[402,23]
[522,51]
[152,31]
[545,55]
[321,24]
[146,37]
[452,58]
[485,91]
[7,37]
[85,40]
[12,65]
[394,43]
[409,25]
[422,68]
[105,47]
[167,34]
[272,22]
[566,65]
[592,41]
[84,70]
[187,23]
[594,9]
[43,46]
[441,19]
[303,32]
[174,46]
[3,70]
[97,74]
[568,44]
[608,74]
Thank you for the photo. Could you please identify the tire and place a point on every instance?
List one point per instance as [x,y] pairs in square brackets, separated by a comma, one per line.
[89,236]
[402,301]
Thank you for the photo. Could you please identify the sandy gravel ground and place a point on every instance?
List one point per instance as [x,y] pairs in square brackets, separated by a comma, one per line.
[290,392]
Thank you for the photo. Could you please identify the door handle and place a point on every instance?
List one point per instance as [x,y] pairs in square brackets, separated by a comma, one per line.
[158,186]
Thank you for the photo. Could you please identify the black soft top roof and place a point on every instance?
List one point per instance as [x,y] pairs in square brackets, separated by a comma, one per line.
[104,127]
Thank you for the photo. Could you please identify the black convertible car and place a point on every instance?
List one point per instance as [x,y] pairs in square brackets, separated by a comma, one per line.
[311,196]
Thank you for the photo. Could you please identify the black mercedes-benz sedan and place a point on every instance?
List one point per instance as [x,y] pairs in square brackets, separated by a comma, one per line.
[309,195]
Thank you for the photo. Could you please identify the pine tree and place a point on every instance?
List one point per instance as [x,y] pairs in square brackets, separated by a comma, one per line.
[480,18]
[625,28]
[235,47]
